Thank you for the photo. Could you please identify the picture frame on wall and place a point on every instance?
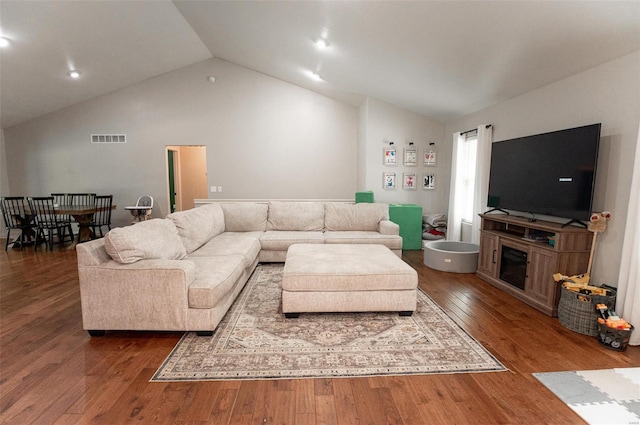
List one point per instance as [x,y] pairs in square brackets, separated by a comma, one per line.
[389,181]
[409,181]
[430,158]
[411,157]
[428,181]
[389,156]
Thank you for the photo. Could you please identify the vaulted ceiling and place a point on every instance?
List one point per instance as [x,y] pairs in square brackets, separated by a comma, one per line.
[443,59]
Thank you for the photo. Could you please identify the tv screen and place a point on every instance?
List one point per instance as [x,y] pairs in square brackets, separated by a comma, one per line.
[551,173]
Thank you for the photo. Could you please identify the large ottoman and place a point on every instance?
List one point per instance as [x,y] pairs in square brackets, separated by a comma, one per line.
[346,278]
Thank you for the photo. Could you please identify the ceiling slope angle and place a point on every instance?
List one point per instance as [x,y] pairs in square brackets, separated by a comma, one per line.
[440,59]
[114,44]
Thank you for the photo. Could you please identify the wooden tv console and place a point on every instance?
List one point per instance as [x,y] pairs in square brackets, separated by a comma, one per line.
[520,257]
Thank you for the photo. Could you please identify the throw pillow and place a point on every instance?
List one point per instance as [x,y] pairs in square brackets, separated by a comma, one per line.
[152,239]
[199,225]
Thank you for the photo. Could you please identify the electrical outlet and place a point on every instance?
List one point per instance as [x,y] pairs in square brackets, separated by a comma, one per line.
[219,188]
[213,189]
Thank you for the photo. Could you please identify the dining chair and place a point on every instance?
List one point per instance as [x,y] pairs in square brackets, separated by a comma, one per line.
[17,217]
[102,217]
[63,199]
[82,198]
[47,221]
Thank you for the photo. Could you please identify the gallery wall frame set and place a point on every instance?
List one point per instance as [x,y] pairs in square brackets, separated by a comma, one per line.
[410,159]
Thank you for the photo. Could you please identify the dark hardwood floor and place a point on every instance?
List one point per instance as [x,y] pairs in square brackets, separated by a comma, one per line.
[52,372]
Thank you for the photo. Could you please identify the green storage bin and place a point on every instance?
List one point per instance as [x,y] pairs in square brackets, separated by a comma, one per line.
[364,197]
[409,218]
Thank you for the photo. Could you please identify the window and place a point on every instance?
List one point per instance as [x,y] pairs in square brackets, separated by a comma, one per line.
[466,166]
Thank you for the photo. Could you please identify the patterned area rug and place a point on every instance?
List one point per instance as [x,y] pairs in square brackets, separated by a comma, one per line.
[609,396]
[255,341]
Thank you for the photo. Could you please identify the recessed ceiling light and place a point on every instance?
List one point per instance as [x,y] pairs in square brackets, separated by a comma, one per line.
[322,43]
[4,42]
[74,74]
[315,76]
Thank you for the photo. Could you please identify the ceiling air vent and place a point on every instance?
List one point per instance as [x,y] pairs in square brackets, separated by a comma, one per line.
[108,138]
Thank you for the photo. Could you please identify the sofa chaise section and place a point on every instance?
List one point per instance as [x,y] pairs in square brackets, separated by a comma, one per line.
[154,276]
[364,223]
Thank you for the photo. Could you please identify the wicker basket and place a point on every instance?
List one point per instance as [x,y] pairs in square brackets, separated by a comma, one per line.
[614,339]
[578,311]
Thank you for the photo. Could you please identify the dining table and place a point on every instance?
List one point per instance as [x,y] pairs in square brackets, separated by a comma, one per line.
[83,214]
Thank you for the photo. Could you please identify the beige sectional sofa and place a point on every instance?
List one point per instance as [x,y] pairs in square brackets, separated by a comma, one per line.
[183,272]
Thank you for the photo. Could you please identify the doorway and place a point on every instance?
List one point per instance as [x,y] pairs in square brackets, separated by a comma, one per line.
[186,176]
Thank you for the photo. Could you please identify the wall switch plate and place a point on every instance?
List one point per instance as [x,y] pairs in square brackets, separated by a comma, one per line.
[213,189]
[219,188]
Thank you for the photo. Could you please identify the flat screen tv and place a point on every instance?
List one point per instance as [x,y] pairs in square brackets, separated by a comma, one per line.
[551,174]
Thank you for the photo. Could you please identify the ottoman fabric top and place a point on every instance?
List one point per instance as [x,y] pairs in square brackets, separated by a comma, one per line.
[349,267]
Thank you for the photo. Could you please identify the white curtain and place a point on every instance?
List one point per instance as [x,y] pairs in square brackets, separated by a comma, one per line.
[454,220]
[481,188]
[483,164]
[628,296]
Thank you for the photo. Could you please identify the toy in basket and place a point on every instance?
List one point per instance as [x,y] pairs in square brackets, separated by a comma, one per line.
[576,308]
[615,332]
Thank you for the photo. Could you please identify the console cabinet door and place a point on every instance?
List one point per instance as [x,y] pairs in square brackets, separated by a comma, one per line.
[540,284]
[488,259]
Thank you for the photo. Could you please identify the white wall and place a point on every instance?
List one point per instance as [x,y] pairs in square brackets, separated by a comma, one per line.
[609,94]
[380,122]
[265,139]
[4,178]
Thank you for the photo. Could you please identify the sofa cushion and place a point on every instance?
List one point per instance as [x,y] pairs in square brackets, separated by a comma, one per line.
[345,217]
[301,216]
[282,240]
[246,244]
[363,237]
[151,239]
[215,277]
[245,216]
[198,225]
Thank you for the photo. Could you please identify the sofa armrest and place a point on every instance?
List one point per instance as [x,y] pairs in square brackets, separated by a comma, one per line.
[147,294]
[388,227]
